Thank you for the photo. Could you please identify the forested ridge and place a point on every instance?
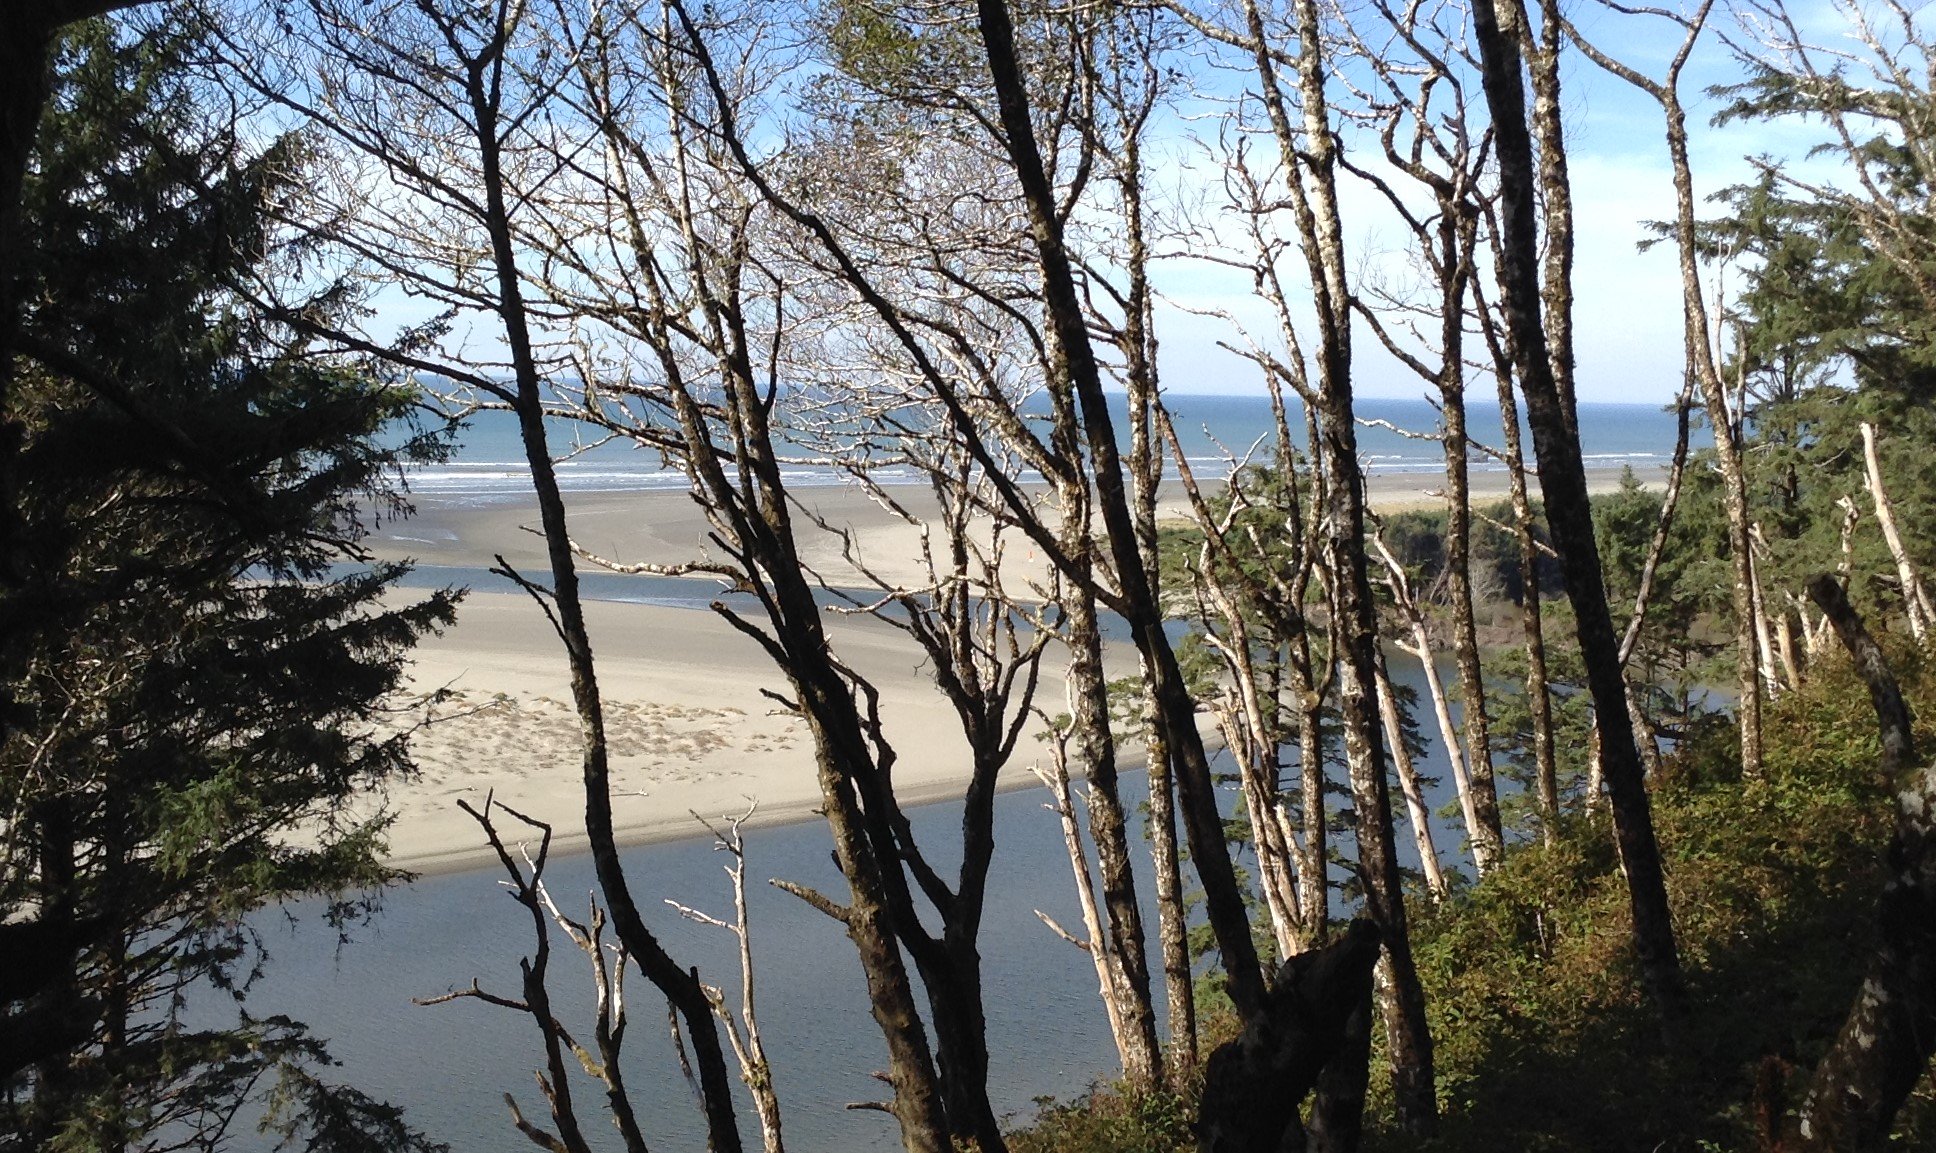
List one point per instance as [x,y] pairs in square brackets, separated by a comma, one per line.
[259,259]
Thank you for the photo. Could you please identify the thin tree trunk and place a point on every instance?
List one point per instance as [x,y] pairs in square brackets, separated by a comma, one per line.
[1415,807]
[1253,740]
[1569,510]
[680,984]
[1489,843]
[1532,623]
[1915,598]
[1644,733]
[1421,651]
[1109,831]
[1095,940]
[1172,923]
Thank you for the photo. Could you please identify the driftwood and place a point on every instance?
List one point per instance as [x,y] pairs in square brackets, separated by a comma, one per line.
[1255,1085]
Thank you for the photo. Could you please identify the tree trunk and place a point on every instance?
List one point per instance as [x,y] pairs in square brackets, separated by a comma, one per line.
[680,985]
[1569,511]
[1415,808]
[1172,922]
[1409,1040]
[1254,1086]
[1095,940]
[1109,831]
[1915,598]
[1175,711]
[1488,844]
[1421,651]
[1539,697]
[1751,651]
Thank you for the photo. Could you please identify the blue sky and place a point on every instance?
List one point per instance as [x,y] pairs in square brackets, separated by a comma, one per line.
[1629,345]
[1628,314]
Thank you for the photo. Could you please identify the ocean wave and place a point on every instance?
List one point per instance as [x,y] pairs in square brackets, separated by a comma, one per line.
[500,479]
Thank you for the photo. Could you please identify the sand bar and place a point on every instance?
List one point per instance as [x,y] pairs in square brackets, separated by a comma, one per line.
[689,726]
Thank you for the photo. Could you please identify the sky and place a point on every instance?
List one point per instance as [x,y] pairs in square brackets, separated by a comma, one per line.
[1629,342]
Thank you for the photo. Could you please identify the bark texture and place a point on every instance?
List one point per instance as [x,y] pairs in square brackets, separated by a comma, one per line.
[1254,1086]
[1175,710]
[1568,510]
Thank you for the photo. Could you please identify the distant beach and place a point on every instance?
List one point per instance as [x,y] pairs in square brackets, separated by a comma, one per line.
[690,730]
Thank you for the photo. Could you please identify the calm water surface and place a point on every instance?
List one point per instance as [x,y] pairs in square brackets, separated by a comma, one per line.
[450,1065]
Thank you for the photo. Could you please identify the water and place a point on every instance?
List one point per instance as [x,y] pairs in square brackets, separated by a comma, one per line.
[1212,429]
[450,1065]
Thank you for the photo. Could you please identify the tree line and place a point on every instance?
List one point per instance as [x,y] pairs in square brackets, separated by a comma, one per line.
[930,236]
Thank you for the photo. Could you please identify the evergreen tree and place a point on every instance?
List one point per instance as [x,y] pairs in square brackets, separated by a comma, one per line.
[197,706]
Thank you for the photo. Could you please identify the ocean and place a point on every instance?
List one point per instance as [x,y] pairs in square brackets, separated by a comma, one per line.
[1214,430]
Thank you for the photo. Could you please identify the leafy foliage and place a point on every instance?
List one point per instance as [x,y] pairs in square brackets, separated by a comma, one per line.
[197,711]
[1111,1120]
[1543,1042]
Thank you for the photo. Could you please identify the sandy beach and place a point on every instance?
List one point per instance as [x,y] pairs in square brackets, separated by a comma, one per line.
[690,730]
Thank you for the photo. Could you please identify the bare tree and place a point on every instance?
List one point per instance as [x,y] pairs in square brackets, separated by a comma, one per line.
[438,116]
[1704,365]
[1418,108]
[1922,617]
[562,1048]
[1287,82]
[1416,810]
[1078,455]
[742,1024]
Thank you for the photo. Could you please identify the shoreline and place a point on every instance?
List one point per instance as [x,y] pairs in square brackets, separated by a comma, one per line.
[688,724]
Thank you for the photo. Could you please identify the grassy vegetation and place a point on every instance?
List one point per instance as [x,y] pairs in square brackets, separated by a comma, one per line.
[1543,1042]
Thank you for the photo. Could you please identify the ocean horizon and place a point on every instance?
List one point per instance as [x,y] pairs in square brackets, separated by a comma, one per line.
[1216,430]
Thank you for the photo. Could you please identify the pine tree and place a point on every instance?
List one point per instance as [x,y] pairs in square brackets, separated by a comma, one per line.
[206,649]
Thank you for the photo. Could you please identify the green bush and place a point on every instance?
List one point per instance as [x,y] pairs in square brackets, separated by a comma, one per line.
[1111,1119]
[1543,1042]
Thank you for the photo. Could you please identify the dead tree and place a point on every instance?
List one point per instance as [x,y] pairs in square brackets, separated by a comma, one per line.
[1130,82]
[563,1050]
[1258,574]
[446,106]
[1420,650]
[1113,979]
[691,373]
[1416,810]
[1703,365]
[1915,598]
[742,1024]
